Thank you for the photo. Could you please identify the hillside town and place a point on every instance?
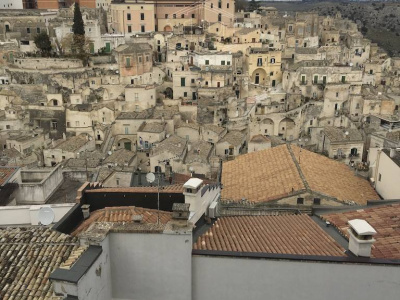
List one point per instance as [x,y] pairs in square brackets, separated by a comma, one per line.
[176,149]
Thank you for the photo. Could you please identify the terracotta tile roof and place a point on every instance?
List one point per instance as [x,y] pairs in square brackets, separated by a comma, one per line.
[234,138]
[72,144]
[272,174]
[333,178]
[173,144]
[182,178]
[189,125]
[6,173]
[120,157]
[260,176]
[73,257]
[123,214]
[384,219]
[173,188]
[214,128]
[290,234]
[335,134]
[28,255]
[259,138]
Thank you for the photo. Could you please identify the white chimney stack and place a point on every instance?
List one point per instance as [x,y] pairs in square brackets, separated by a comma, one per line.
[360,237]
[392,153]
[86,211]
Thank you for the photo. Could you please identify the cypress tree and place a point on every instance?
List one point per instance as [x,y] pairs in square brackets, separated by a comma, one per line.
[78,27]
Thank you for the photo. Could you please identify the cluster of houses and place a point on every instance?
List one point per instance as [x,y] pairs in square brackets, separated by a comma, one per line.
[196,152]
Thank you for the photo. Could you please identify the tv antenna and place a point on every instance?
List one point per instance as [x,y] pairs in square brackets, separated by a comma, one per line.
[150,177]
[46,216]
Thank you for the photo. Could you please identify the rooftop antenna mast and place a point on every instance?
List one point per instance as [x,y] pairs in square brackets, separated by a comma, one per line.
[150,177]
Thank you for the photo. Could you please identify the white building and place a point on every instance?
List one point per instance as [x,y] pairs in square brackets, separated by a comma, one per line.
[11,4]
[385,172]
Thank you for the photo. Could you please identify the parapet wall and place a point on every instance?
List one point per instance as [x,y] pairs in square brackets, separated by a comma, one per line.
[47,63]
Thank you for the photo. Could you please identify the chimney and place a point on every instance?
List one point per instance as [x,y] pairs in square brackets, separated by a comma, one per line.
[180,214]
[393,153]
[137,219]
[360,237]
[86,211]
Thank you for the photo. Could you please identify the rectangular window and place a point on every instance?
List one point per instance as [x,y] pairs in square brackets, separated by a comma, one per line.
[222,63]
[28,30]
[315,78]
[127,62]
[317,201]
[77,123]
[227,5]
[128,17]
[38,30]
[185,94]
[126,130]
[142,28]
[193,16]
[183,81]
[192,80]
[174,16]
[379,177]
[166,16]
[142,16]
[129,28]
[300,200]
[207,62]
[140,59]
[228,63]
[343,79]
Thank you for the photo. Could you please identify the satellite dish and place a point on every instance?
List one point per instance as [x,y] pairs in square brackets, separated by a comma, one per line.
[150,177]
[46,216]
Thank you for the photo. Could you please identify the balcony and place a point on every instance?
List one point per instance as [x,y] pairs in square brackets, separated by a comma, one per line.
[303,82]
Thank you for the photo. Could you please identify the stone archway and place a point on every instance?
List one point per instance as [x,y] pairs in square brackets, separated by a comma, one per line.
[267,126]
[169,93]
[287,128]
[259,76]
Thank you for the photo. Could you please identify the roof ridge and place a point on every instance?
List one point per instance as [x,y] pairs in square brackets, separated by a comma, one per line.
[297,164]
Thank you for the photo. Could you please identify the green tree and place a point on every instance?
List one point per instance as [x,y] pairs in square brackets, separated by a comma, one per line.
[253,5]
[78,29]
[42,42]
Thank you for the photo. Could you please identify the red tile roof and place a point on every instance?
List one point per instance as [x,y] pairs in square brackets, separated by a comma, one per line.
[261,176]
[174,188]
[384,219]
[272,174]
[290,234]
[121,214]
[6,173]
[28,255]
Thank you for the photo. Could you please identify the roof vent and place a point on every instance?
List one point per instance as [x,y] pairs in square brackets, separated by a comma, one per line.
[360,240]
